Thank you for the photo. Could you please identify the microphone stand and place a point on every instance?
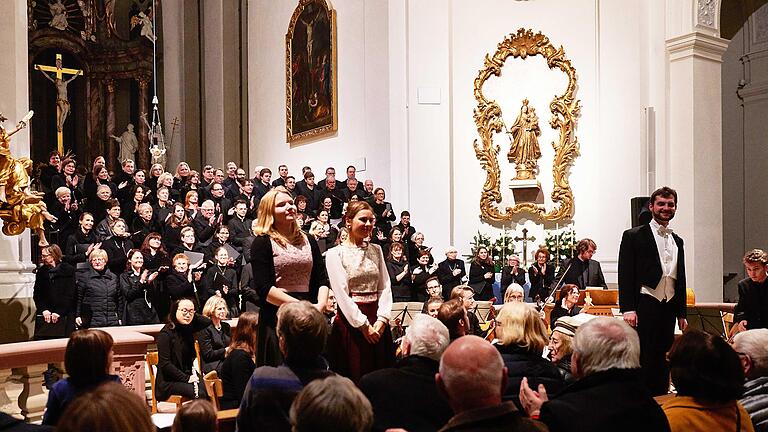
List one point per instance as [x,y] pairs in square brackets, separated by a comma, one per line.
[540,304]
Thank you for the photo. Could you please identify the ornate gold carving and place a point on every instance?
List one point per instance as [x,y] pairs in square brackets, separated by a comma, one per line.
[488,118]
[20,208]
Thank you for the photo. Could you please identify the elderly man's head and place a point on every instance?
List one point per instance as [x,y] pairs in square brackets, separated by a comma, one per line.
[426,337]
[752,346]
[302,331]
[604,343]
[472,374]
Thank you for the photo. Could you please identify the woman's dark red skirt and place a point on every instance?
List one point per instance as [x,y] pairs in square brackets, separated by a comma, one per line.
[350,354]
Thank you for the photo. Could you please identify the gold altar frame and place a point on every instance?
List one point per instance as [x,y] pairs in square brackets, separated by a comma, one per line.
[297,132]
[565,108]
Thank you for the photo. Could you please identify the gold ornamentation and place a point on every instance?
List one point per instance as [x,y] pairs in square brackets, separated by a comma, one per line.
[20,208]
[488,118]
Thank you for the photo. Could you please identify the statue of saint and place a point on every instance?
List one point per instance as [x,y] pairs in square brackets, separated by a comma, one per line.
[58,15]
[145,21]
[525,149]
[128,144]
[62,102]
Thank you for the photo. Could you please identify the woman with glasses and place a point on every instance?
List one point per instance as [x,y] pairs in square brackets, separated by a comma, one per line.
[176,353]
[566,305]
[541,275]
[100,302]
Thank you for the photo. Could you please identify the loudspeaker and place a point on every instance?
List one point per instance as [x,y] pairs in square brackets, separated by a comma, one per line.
[639,209]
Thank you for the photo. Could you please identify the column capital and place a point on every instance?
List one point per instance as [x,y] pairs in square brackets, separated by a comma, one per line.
[696,44]
[143,81]
[110,83]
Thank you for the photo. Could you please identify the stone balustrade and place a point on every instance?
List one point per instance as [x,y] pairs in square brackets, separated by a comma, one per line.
[22,365]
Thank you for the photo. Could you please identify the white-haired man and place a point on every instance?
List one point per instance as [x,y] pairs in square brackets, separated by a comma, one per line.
[608,393]
[472,378]
[752,347]
[418,406]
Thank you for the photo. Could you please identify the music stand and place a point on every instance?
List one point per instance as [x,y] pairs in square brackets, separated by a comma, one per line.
[707,319]
[405,311]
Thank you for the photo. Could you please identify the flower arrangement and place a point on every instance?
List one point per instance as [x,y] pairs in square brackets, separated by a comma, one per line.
[499,249]
[561,244]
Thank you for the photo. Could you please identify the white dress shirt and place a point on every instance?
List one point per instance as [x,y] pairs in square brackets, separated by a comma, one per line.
[667,249]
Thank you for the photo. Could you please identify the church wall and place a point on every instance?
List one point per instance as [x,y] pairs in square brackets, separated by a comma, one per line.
[604,40]
[745,167]
[363,93]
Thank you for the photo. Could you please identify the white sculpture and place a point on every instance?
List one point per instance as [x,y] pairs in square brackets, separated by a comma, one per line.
[58,15]
[128,144]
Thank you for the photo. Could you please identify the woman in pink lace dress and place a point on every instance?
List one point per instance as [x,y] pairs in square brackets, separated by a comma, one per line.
[287,267]
[360,340]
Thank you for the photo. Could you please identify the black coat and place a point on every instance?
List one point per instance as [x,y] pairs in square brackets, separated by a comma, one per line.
[117,250]
[100,302]
[214,280]
[401,291]
[445,274]
[419,282]
[236,371]
[213,344]
[204,231]
[507,278]
[582,274]
[625,405]
[406,396]
[140,229]
[541,285]
[239,229]
[753,304]
[77,246]
[178,286]
[55,292]
[66,223]
[483,287]
[521,364]
[138,300]
[176,353]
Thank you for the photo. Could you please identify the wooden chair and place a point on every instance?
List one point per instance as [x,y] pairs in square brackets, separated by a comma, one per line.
[152,360]
[215,389]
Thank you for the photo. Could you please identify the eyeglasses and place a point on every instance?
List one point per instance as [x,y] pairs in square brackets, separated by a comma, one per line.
[187,311]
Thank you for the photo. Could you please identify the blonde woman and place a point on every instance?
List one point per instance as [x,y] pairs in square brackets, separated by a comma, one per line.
[522,338]
[214,339]
[287,266]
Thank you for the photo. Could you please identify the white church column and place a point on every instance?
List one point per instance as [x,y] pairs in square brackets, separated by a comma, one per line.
[694,155]
[16,279]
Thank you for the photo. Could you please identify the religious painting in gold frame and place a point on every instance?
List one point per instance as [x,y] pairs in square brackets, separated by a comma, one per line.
[489,121]
[310,71]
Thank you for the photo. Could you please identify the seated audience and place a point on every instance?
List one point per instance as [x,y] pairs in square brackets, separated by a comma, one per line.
[240,362]
[709,380]
[752,348]
[302,333]
[514,293]
[100,302]
[451,271]
[609,394]
[561,344]
[176,353]
[752,309]
[215,339]
[88,360]
[108,408]
[454,316]
[522,337]
[566,305]
[195,416]
[332,404]
[419,407]
[472,378]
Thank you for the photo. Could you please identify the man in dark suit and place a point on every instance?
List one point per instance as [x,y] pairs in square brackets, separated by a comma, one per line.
[418,405]
[583,271]
[652,286]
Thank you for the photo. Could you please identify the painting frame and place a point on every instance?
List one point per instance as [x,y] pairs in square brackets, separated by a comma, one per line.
[311,101]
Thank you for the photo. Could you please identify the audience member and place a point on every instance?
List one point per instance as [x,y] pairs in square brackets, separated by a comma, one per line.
[332,404]
[522,337]
[566,304]
[108,408]
[472,377]
[240,360]
[752,309]
[432,306]
[709,380]
[561,343]
[609,393]
[88,360]
[514,293]
[752,348]
[215,339]
[195,416]
[302,333]
[406,396]
[454,316]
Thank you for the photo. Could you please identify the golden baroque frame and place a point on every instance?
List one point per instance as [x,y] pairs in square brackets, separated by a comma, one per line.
[293,65]
[488,118]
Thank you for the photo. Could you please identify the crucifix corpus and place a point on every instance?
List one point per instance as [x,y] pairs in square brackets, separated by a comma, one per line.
[62,102]
[525,239]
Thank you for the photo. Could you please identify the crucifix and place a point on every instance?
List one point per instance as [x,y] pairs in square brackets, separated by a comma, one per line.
[525,239]
[62,103]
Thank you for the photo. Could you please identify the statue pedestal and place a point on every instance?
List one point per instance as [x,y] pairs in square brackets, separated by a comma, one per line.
[527,191]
